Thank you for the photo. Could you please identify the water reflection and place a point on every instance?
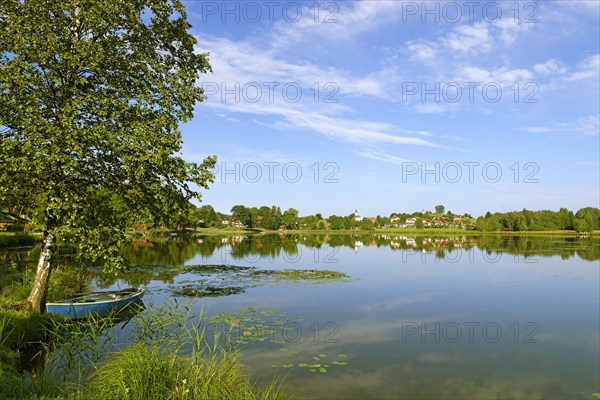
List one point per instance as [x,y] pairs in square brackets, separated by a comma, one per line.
[178,251]
[397,320]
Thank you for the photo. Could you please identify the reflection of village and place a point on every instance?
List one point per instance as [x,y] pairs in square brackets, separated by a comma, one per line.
[395,242]
[403,242]
[434,222]
[290,248]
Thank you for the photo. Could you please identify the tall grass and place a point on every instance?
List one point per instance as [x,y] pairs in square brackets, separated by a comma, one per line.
[151,372]
[167,355]
[15,285]
[11,385]
[172,358]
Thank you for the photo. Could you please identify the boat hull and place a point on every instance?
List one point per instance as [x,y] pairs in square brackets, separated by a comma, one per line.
[99,303]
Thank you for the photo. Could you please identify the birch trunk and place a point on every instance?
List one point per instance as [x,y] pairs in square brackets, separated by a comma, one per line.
[37,298]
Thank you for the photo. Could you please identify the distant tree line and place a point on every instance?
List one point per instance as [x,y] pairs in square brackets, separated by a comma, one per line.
[248,217]
[272,218]
[585,220]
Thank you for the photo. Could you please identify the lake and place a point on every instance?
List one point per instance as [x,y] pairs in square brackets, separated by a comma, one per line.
[417,317]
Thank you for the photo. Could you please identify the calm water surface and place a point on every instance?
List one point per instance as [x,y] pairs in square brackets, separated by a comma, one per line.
[479,318]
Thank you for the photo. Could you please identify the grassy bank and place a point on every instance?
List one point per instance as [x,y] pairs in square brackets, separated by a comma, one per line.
[167,357]
[427,232]
[396,231]
[85,360]
[10,239]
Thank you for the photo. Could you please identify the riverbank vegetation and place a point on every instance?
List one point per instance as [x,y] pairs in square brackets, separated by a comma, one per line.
[168,357]
[266,218]
[206,220]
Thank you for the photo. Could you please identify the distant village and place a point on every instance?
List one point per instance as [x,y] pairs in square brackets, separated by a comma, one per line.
[272,218]
[411,222]
[354,220]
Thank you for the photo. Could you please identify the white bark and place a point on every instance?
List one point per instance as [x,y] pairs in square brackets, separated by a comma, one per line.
[37,297]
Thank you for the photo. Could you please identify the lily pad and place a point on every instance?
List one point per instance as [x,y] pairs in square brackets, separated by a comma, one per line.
[339,363]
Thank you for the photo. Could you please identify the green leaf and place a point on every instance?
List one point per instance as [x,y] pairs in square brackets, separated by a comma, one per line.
[92,97]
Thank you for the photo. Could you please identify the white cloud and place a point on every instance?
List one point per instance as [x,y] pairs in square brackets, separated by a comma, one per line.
[383,157]
[244,65]
[585,126]
[587,69]
[550,67]
[502,76]
[509,30]
[586,6]
[470,39]
[353,131]
[421,51]
[337,20]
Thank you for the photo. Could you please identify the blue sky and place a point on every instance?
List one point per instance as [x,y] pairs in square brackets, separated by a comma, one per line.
[391,106]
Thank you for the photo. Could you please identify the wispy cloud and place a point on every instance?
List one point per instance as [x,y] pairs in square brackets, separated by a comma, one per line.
[383,157]
[242,64]
[470,39]
[585,126]
[587,69]
[336,21]
[550,67]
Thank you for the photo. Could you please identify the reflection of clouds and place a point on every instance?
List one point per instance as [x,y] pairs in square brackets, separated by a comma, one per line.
[381,370]
[431,375]
[585,341]
[395,303]
[436,358]
[376,331]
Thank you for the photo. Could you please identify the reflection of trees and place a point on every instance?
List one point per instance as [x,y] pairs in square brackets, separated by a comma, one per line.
[170,252]
[274,245]
[138,276]
[20,255]
[27,257]
[157,260]
[587,249]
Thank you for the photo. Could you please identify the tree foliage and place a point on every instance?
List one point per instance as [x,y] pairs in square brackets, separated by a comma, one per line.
[585,220]
[91,98]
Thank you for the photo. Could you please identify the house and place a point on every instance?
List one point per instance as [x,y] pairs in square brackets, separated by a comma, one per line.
[12,222]
[410,222]
[142,227]
[6,221]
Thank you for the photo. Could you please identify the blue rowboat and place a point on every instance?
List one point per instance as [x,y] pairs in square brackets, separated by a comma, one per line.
[97,303]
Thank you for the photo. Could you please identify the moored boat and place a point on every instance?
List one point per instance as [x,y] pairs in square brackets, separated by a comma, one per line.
[97,303]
